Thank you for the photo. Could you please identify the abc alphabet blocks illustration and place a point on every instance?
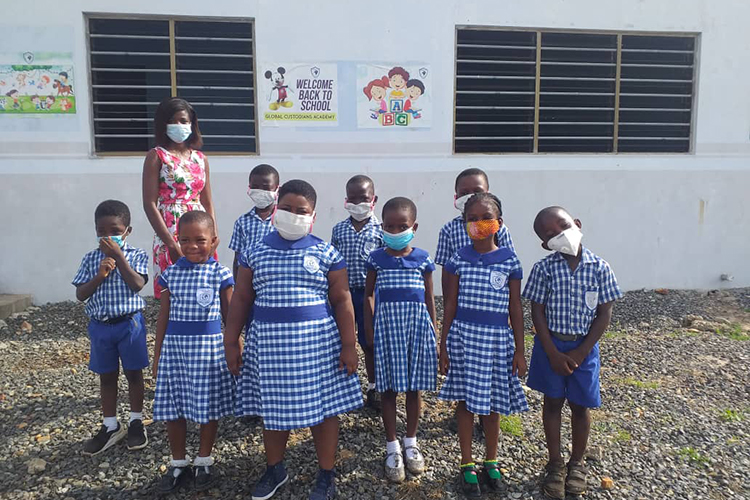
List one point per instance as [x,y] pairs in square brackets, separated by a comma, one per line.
[394,95]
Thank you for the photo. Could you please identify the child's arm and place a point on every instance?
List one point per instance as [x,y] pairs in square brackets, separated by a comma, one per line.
[561,363]
[112,250]
[429,298]
[86,290]
[161,328]
[226,298]
[598,326]
[369,308]
[242,302]
[516,322]
[450,303]
[235,266]
[343,311]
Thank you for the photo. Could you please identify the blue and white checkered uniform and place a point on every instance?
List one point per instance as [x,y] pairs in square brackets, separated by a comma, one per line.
[193,380]
[453,237]
[480,342]
[571,297]
[290,374]
[249,229]
[405,347]
[356,247]
[113,298]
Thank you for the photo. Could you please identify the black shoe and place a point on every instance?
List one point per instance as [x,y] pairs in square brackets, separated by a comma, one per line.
[373,399]
[325,486]
[469,478]
[137,438]
[175,478]
[490,469]
[205,477]
[104,440]
[274,478]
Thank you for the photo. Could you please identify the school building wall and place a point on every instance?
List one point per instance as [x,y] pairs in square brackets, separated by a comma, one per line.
[676,221]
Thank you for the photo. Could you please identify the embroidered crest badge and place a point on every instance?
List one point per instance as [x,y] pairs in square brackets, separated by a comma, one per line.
[592,299]
[204,296]
[311,264]
[498,279]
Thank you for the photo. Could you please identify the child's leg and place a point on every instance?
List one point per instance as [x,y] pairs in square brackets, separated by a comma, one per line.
[108,392]
[176,432]
[135,389]
[275,444]
[388,411]
[326,439]
[208,438]
[551,417]
[491,426]
[413,408]
[580,421]
[465,431]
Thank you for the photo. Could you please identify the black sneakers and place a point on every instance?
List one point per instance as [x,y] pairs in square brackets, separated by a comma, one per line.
[103,440]
[373,399]
[137,438]
[205,477]
[174,478]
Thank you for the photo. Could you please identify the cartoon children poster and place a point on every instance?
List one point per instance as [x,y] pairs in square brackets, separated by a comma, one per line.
[397,95]
[35,86]
[298,94]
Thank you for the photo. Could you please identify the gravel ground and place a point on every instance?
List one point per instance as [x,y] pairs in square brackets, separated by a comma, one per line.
[674,420]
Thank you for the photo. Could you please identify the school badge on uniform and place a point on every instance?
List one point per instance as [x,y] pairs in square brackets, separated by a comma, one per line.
[498,279]
[592,299]
[368,248]
[204,296]
[311,264]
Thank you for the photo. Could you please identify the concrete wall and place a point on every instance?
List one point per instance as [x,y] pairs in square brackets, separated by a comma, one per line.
[661,220]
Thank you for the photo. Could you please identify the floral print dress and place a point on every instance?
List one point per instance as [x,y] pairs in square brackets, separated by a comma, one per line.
[180,184]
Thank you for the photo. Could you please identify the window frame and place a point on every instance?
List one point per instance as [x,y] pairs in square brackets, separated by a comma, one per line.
[619,33]
[171,19]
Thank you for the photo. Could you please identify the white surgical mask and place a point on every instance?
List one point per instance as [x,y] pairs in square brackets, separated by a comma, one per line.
[262,198]
[460,203]
[360,211]
[179,132]
[292,226]
[566,242]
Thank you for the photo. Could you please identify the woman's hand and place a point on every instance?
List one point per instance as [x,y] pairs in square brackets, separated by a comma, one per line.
[175,252]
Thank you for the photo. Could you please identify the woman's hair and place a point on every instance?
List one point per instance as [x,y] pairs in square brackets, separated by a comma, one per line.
[165,111]
[486,197]
[301,188]
[379,82]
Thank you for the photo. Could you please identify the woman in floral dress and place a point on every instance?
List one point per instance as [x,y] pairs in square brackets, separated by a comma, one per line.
[175,179]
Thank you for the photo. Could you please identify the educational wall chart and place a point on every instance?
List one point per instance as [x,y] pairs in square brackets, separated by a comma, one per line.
[37,83]
[394,96]
[298,94]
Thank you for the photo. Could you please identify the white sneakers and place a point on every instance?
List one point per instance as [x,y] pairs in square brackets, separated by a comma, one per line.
[394,461]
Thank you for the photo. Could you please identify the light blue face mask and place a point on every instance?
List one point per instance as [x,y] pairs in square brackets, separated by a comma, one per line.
[398,241]
[119,239]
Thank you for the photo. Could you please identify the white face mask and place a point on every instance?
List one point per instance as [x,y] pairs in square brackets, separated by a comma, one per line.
[460,203]
[179,132]
[566,242]
[262,198]
[292,226]
[360,211]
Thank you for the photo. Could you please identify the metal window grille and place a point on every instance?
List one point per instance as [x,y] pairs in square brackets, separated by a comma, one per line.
[537,91]
[135,63]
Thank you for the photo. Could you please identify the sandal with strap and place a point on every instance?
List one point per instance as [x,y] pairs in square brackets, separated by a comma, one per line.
[575,483]
[470,481]
[491,475]
[553,483]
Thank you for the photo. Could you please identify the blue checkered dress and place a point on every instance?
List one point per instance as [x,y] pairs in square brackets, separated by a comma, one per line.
[290,374]
[453,236]
[480,343]
[193,380]
[405,348]
[571,298]
[356,246]
[114,298]
[249,229]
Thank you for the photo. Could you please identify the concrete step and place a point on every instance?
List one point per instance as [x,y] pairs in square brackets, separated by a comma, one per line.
[10,304]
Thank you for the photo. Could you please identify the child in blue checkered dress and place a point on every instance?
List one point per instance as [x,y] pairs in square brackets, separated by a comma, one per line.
[192,378]
[572,293]
[355,238]
[109,280]
[401,327]
[250,228]
[298,365]
[482,356]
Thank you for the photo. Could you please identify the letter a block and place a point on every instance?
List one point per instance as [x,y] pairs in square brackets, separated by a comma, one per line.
[397,105]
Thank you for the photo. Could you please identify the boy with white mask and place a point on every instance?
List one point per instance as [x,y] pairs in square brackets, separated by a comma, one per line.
[572,293]
[250,228]
[356,237]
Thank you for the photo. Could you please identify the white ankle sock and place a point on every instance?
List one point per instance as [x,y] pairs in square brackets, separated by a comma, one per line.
[393,447]
[203,461]
[410,441]
[180,463]
[135,415]
[110,423]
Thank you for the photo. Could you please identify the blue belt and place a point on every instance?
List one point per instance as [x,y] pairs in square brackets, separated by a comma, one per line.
[481,317]
[290,314]
[401,295]
[193,327]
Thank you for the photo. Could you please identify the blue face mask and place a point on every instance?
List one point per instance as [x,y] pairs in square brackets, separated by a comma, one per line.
[119,239]
[398,241]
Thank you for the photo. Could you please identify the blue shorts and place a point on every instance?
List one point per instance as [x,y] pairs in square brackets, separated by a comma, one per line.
[112,342]
[358,299]
[581,387]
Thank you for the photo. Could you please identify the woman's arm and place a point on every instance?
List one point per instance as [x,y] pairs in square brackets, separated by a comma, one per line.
[161,328]
[343,311]
[242,302]
[151,170]
[206,198]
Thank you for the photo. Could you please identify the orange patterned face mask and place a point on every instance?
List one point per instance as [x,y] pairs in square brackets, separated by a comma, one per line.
[482,229]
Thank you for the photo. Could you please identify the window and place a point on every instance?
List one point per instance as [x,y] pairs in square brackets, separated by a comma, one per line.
[135,63]
[536,91]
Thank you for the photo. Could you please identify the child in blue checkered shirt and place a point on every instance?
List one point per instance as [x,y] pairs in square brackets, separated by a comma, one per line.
[572,293]
[482,355]
[250,228]
[356,237]
[108,281]
[192,378]
[399,320]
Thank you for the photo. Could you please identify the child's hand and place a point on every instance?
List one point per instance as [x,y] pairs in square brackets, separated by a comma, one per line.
[109,247]
[519,364]
[444,361]
[234,358]
[348,359]
[107,266]
[577,355]
[562,364]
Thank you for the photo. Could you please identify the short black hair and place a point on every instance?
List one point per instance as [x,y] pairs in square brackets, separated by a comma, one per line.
[400,203]
[544,213]
[359,180]
[265,169]
[480,197]
[113,208]
[165,111]
[196,217]
[301,188]
[470,172]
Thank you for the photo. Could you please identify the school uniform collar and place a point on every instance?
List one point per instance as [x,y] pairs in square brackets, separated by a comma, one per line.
[372,222]
[274,240]
[254,213]
[587,256]
[388,261]
[185,263]
[469,254]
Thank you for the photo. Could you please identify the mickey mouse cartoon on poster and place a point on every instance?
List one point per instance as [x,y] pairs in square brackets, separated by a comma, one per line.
[277,79]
